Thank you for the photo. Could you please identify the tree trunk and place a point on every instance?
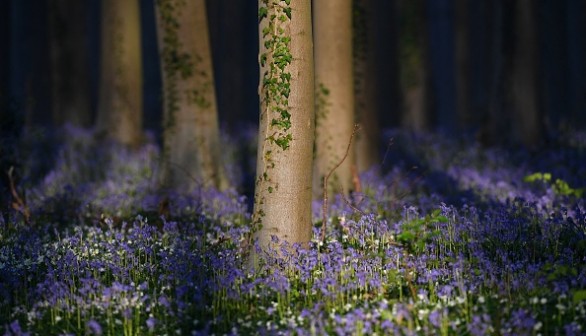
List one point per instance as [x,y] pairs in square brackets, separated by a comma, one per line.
[191,132]
[282,201]
[440,36]
[525,79]
[120,103]
[364,44]
[413,65]
[495,126]
[227,22]
[462,37]
[480,66]
[5,18]
[69,63]
[335,96]
[30,79]
[576,30]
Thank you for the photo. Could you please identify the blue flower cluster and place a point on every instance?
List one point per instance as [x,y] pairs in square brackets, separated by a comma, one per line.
[459,245]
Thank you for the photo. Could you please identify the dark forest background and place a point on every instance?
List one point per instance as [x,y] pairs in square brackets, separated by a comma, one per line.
[473,39]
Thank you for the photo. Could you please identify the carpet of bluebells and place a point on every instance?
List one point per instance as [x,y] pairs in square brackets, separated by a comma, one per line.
[445,238]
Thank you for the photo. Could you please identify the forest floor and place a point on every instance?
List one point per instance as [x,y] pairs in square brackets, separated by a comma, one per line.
[445,238]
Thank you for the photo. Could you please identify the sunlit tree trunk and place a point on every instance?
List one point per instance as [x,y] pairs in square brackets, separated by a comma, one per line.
[69,63]
[120,98]
[191,132]
[282,201]
[413,64]
[364,44]
[335,93]
[525,85]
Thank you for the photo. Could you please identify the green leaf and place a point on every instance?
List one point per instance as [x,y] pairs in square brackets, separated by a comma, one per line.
[262,13]
[441,219]
[406,236]
[579,296]
[546,177]
[288,12]
[288,2]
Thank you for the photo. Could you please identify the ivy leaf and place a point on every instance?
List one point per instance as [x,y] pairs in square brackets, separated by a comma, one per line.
[288,10]
[262,13]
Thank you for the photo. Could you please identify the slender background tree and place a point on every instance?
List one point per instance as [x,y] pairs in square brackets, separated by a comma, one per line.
[191,138]
[335,94]
[365,85]
[525,81]
[413,64]
[120,99]
[70,92]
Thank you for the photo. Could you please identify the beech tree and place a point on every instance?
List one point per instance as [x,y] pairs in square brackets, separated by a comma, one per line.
[191,133]
[462,56]
[120,98]
[335,93]
[283,190]
[525,85]
[364,44]
[413,67]
[70,94]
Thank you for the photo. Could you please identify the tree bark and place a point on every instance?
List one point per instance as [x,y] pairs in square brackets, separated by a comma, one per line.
[335,100]
[282,201]
[413,65]
[462,55]
[364,44]
[527,114]
[191,133]
[120,102]
[69,63]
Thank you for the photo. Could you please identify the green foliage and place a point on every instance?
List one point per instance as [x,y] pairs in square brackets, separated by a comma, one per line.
[559,186]
[579,296]
[546,177]
[417,233]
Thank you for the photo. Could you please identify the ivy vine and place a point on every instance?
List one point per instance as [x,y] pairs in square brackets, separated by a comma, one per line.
[276,80]
[275,88]
[177,64]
